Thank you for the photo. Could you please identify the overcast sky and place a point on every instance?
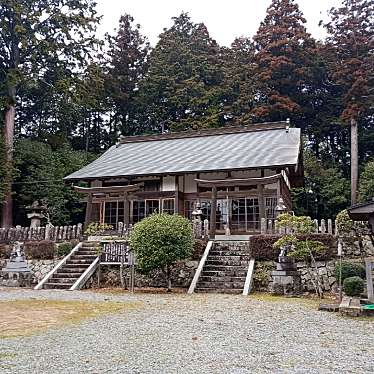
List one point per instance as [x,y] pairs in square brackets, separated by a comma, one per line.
[225,19]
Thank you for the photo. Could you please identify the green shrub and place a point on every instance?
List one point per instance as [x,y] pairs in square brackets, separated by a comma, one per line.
[198,249]
[262,246]
[5,250]
[353,286]
[350,269]
[159,241]
[39,250]
[64,249]
[96,228]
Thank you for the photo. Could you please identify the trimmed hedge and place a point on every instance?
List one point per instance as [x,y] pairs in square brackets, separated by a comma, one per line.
[353,286]
[40,250]
[350,269]
[5,250]
[64,249]
[262,246]
[198,249]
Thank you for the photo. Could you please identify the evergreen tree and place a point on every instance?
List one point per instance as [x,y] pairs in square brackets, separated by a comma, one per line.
[291,74]
[367,182]
[183,86]
[34,34]
[285,58]
[326,191]
[39,172]
[239,82]
[128,59]
[350,43]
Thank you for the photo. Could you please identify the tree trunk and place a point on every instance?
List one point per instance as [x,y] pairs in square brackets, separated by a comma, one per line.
[354,161]
[168,278]
[7,207]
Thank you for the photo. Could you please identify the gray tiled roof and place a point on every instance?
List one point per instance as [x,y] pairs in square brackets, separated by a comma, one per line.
[267,148]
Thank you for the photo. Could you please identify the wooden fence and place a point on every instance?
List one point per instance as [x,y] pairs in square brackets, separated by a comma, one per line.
[53,233]
[267,227]
[117,251]
[322,226]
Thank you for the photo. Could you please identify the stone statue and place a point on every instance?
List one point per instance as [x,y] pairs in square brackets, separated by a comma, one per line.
[16,273]
[37,213]
[17,254]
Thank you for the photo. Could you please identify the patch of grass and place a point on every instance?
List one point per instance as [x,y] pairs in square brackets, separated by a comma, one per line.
[7,355]
[266,297]
[143,290]
[26,317]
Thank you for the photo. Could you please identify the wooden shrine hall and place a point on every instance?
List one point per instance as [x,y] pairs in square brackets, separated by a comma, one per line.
[237,174]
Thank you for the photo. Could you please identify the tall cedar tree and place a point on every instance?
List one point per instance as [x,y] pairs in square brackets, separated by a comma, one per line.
[239,81]
[183,86]
[91,108]
[286,64]
[128,59]
[35,33]
[350,42]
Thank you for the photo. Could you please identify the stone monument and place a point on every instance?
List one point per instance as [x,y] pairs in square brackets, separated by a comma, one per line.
[286,280]
[37,213]
[16,273]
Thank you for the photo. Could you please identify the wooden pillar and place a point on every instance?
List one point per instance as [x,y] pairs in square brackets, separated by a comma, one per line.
[176,203]
[126,210]
[354,161]
[87,219]
[279,194]
[369,278]
[261,206]
[261,201]
[213,212]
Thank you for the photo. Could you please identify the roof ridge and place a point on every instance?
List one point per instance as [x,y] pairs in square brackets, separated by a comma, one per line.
[265,126]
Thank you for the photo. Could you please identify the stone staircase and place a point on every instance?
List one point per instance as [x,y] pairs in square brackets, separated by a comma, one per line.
[75,266]
[225,268]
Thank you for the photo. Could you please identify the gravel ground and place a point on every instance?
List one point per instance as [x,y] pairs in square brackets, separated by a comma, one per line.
[179,333]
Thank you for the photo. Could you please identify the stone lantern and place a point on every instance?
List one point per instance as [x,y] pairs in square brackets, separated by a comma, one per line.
[37,212]
[197,220]
[280,208]
[16,273]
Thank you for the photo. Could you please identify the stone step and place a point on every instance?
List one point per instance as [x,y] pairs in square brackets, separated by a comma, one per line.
[227,262]
[69,281]
[74,268]
[224,278]
[64,274]
[221,285]
[90,244]
[230,257]
[214,290]
[81,256]
[87,252]
[227,272]
[78,261]
[212,267]
[61,286]
[229,253]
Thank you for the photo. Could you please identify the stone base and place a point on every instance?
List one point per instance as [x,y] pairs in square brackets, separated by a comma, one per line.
[10,279]
[350,306]
[285,283]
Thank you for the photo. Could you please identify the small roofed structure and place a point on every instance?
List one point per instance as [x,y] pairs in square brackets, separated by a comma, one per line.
[363,212]
[237,175]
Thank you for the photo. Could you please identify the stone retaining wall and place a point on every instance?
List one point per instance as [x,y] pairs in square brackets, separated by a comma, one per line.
[352,248]
[39,268]
[182,275]
[326,269]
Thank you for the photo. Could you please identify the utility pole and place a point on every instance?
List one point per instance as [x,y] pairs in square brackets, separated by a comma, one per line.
[354,160]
